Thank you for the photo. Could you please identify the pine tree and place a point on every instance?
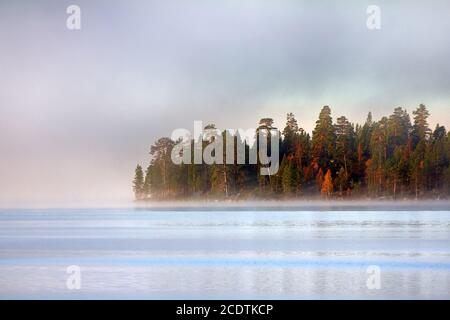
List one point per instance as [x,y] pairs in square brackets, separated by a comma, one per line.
[398,129]
[364,135]
[378,146]
[148,181]
[163,177]
[397,170]
[437,159]
[417,167]
[341,181]
[267,183]
[290,135]
[420,131]
[345,145]
[138,183]
[323,139]
[290,177]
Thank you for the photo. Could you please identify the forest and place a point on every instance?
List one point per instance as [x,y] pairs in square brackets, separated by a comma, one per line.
[393,158]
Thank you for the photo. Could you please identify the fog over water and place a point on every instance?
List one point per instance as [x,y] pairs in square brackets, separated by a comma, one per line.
[79,109]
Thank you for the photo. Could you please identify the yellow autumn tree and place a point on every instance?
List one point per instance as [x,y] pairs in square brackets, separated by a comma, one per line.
[327,185]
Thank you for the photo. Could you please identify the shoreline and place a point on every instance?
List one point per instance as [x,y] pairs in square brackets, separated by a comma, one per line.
[248,205]
[292,205]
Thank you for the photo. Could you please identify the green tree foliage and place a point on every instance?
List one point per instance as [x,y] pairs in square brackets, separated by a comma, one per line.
[138,182]
[399,128]
[345,151]
[437,159]
[323,140]
[420,131]
[290,176]
[164,172]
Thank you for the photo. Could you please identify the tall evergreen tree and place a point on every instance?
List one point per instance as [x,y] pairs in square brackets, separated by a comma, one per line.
[138,183]
[345,147]
[399,128]
[420,131]
[379,148]
[323,140]
[437,159]
[163,177]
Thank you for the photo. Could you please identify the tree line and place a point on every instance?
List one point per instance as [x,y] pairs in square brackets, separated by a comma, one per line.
[393,158]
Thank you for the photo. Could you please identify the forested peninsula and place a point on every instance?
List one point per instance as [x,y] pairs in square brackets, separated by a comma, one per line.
[393,158]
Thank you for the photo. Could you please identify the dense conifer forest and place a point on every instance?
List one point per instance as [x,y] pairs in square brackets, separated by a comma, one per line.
[395,157]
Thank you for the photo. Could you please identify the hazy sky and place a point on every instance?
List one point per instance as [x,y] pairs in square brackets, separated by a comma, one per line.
[79,109]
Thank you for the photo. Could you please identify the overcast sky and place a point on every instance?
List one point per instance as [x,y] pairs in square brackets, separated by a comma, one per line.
[79,109]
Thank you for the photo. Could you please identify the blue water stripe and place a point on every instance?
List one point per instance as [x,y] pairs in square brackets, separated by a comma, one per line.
[223,262]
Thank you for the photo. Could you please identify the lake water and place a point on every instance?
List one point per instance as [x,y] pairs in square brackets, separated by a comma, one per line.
[178,253]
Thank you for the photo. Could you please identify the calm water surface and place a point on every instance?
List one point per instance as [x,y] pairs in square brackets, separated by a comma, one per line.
[179,254]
